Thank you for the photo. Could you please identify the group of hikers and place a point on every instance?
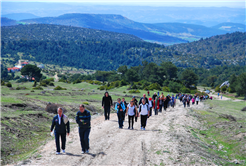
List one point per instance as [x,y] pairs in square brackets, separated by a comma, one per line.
[133,110]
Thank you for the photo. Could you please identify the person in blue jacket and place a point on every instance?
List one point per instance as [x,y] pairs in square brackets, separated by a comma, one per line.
[120,107]
[61,124]
[83,119]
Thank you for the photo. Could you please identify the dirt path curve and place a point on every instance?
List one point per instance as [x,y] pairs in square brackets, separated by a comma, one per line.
[167,140]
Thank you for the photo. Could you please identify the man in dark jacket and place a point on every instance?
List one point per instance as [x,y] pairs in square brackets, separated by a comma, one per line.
[83,119]
[61,124]
[144,97]
[106,103]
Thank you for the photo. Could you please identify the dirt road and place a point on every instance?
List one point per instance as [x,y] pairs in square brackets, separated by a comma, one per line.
[167,140]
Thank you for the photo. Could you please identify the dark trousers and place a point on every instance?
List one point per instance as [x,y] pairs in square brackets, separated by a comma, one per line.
[160,108]
[124,115]
[63,139]
[143,120]
[184,104]
[131,119]
[84,138]
[188,104]
[156,111]
[150,111]
[106,112]
[165,106]
[136,118]
[196,102]
[120,118]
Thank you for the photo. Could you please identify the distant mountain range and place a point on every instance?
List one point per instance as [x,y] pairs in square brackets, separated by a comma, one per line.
[20,16]
[206,16]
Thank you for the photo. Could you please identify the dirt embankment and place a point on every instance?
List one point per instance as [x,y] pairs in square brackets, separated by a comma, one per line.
[168,140]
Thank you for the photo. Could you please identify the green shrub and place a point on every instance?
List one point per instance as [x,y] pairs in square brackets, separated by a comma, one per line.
[77,81]
[85,103]
[185,90]
[98,82]
[134,86]
[35,83]
[223,88]
[193,91]
[32,91]
[51,84]
[124,91]
[9,84]
[38,88]
[2,83]
[43,84]
[175,87]
[217,89]
[154,86]
[59,88]
[165,89]
[21,88]
[134,91]
[123,83]
[21,80]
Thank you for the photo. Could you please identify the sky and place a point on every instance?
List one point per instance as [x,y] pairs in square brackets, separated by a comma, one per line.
[178,3]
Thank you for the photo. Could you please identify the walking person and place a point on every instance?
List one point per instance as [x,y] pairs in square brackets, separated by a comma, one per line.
[193,100]
[150,106]
[83,119]
[106,103]
[218,94]
[136,104]
[161,102]
[148,93]
[173,99]
[197,100]
[124,102]
[156,105]
[62,127]
[144,97]
[119,107]
[131,110]
[184,101]
[221,96]
[144,113]
[154,96]
[188,101]
[158,93]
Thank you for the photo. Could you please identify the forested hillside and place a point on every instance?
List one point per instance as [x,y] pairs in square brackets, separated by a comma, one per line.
[217,50]
[7,22]
[102,50]
[58,32]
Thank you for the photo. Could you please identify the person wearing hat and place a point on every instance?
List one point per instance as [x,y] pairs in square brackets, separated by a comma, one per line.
[62,127]
[150,106]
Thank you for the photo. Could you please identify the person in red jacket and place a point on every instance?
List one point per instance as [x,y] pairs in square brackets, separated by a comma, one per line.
[156,105]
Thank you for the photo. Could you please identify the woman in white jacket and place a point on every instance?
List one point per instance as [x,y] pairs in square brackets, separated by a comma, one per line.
[197,100]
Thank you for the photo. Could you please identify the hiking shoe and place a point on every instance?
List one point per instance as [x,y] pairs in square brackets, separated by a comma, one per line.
[128,127]
[58,153]
[63,151]
[87,151]
[143,128]
[82,152]
[132,128]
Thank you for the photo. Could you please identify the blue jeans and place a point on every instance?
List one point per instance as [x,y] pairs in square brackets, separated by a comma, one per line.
[57,139]
[120,118]
[84,138]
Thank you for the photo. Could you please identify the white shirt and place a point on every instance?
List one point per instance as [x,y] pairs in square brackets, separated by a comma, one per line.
[131,110]
[150,103]
[144,109]
[59,118]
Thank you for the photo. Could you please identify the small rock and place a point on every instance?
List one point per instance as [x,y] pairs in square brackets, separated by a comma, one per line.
[221,147]
[235,161]
[240,126]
